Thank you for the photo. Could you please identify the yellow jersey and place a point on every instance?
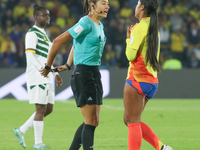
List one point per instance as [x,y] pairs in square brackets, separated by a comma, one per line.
[138,69]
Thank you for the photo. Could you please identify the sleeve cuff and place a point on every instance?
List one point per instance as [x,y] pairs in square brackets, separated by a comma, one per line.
[55,73]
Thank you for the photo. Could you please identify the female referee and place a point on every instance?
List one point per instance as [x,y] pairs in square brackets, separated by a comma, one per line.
[88,44]
[142,51]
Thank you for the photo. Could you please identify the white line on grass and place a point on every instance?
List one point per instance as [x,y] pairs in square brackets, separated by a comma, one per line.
[113,107]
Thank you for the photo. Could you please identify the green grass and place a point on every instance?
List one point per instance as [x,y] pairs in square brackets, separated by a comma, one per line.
[176,122]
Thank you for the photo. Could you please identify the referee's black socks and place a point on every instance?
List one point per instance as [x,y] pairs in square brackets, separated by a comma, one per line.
[88,137]
[76,143]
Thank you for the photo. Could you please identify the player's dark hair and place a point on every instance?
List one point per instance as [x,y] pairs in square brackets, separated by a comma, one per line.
[151,7]
[86,6]
[37,8]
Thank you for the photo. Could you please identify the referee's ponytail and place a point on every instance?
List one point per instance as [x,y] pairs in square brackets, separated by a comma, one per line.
[151,7]
[86,6]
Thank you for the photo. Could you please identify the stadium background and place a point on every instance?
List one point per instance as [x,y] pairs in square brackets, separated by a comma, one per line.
[179,28]
[175,121]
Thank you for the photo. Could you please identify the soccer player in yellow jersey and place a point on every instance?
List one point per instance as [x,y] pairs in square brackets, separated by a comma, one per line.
[142,51]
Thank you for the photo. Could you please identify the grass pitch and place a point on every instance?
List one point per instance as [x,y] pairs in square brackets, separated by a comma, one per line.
[176,122]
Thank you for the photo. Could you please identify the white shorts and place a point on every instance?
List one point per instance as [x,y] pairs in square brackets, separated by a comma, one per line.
[41,94]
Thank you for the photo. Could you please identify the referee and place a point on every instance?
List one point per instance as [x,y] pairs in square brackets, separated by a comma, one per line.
[88,44]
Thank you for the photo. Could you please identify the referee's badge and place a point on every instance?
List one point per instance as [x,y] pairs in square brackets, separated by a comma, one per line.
[78,29]
[131,39]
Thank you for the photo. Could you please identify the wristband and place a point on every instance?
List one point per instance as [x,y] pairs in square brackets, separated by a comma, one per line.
[68,67]
[47,67]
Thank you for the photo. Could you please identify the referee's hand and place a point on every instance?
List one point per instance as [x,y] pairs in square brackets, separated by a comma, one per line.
[60,68]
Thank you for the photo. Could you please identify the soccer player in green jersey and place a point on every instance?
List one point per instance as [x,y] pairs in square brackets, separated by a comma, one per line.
[40,89]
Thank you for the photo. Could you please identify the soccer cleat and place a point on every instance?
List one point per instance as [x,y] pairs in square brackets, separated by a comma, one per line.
[166,147]
[20,137]
[40,146]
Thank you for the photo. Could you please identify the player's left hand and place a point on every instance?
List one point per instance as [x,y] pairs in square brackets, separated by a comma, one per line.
[58,80]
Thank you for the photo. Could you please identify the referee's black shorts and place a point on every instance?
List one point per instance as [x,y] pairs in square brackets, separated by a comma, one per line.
[86,85]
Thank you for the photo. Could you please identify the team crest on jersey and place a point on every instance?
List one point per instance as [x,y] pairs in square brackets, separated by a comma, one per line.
[44,39]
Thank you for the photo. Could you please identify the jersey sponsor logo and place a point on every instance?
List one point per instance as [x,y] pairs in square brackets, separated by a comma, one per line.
[131,39]
[78,29]
[16,88]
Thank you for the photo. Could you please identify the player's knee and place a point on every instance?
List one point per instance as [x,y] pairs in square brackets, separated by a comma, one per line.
[125,122]
[50,111]
[41,111]
[125,119]
[132,119]
[94,120]
[97,123]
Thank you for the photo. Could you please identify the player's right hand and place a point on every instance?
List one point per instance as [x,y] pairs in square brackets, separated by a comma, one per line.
[128,33]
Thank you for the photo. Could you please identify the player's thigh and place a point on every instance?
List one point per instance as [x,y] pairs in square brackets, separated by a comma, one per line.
[133,103]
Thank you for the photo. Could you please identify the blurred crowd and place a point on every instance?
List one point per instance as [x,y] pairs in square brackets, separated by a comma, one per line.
[179,26]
